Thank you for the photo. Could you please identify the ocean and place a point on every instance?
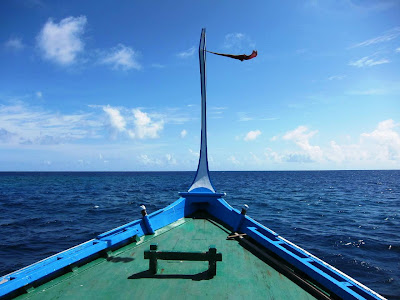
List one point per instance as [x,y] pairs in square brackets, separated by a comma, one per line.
[350,219]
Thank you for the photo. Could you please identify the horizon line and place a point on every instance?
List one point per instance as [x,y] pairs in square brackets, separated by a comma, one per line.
[166,171]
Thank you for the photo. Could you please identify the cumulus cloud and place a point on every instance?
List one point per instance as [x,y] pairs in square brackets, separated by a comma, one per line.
[382,145]
[14,44]
[139,126]
[187,53]
[252,135]
[183,133]
[367,61]
[145,127]
[273,156]
[301,136]
[62,42]
[121,57]
[117,122]
[385,139]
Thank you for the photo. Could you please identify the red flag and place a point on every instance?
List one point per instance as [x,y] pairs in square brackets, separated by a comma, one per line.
[240,57]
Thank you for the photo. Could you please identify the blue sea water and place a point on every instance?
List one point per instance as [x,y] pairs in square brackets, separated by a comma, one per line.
[350,219]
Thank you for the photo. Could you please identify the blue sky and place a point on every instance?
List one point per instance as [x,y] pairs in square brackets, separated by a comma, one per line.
[101,85]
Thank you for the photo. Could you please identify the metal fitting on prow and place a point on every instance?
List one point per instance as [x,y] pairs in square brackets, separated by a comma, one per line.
[144,212]
[244,209]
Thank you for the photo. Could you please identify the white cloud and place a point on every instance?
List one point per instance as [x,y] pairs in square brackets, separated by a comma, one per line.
[273,156]
[367,61]
[145,127]
[183,133]
[385,141]
[158,66]
[61,43]
[193,153]
[47,162]
[39,94]
[386,37]
[154,160]
[6,136]
[233,40]
[116,120]
[216,112]
[301,136]
[252,135]
[146,160]
[382,146]
[24,124]
[244,117]
[367,92]
[139,126]
[233,160]
[238,42]
[398,50]
[121,57]
[170,159]
[187,53]
[14,44]
[337,77]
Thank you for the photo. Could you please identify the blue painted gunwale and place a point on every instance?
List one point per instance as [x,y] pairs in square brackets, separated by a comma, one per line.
[334,280]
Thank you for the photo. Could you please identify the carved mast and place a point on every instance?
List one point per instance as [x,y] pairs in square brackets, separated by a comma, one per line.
[202,182]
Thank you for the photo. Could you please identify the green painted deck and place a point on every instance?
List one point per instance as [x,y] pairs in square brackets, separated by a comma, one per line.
[124,274]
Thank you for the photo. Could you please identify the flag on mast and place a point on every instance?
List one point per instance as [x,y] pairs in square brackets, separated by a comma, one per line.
[240,57]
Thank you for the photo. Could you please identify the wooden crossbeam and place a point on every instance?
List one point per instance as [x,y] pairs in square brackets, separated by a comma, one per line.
[211,256]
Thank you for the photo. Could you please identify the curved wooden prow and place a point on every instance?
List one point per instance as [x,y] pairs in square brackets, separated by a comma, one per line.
[202,182]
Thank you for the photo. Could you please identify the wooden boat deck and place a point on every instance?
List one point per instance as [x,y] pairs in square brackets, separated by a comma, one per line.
[124,274]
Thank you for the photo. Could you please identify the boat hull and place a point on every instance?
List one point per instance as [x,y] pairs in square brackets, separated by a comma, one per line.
[281,254]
